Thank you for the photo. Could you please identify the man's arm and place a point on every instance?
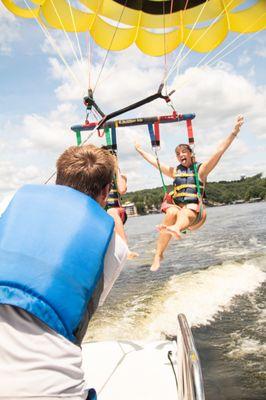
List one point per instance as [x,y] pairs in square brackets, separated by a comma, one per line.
[114,262]
[209,165]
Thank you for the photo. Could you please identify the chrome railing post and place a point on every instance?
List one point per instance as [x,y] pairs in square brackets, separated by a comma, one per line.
[190,381]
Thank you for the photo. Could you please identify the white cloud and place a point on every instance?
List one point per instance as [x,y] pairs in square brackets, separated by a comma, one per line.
[38,141]
[48,132]
[121,81]
[217,95]
[260,49]
[261,52]
[9,31]
[65,42]
[244,59]
[251,73]
[12,177]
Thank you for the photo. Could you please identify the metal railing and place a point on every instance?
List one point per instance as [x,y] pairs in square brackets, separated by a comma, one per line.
[190,381]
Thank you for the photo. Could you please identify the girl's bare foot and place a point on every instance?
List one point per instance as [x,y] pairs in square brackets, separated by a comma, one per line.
[172,230]
[156,262]
[161,228]
[131,255]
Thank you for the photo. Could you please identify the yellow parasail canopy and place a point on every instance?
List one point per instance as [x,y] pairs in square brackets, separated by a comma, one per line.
[157,27]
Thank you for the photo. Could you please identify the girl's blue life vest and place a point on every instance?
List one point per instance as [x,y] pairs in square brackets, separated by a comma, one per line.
[53,240]
[185,188]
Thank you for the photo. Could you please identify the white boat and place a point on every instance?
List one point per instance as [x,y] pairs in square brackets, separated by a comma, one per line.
[136,370]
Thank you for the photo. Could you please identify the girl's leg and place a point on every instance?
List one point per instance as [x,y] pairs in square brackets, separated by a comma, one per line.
[164,238]
[119,229]
[186,218]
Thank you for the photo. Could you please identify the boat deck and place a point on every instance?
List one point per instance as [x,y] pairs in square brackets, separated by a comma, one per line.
[130,370]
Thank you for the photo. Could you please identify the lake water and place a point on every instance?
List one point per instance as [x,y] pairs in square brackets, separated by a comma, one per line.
[216,277]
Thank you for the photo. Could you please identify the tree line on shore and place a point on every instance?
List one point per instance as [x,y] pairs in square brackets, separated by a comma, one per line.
[217,193]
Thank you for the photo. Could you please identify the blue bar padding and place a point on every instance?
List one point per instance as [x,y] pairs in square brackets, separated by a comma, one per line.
[152,135]
[113,132]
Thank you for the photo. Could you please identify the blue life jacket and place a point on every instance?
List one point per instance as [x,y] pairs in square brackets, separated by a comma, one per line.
[185,189]
[53,240]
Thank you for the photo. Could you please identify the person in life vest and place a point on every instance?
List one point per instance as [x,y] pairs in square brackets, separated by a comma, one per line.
[114,204]
[183,211]
[59,257]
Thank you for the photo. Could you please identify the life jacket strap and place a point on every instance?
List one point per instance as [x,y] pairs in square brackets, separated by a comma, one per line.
[114,198]
[183,174]
[184,186]
[184,194]
[200,210]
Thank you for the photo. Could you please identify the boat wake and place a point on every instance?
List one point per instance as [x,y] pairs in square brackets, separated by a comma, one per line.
[199,294]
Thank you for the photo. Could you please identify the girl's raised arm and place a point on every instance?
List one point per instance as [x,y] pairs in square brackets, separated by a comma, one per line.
[208,166]
[166,170]
[121,180]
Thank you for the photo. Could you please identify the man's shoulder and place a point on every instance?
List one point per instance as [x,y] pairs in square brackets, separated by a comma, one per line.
[5,202]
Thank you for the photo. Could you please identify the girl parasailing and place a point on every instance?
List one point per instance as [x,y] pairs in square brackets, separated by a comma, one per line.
[184,210]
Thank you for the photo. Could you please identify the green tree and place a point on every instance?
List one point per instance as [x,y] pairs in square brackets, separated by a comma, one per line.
[217,192]
[140,208]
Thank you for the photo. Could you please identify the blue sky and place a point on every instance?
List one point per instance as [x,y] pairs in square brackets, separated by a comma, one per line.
[39,101]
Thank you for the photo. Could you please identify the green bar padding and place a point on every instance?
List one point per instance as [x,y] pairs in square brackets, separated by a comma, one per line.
[108,136]
[78,137]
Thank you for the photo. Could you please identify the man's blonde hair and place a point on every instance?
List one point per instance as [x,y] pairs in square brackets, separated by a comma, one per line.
[85,168]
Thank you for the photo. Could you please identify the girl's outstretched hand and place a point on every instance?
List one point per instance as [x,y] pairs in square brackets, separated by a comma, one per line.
[239,123]
[138,146]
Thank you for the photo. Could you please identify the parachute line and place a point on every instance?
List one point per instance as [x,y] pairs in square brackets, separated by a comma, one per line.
[213,59]
[88,42]
[109,48]
[164,42]
[54,45]
[164,82]
[184,44]
[76,33]
[197,41]
[67,36]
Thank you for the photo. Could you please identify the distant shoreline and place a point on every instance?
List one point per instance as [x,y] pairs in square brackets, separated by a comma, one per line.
[243,191]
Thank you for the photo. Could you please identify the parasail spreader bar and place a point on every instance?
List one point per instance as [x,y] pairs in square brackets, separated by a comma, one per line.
[157,95]
[164,119]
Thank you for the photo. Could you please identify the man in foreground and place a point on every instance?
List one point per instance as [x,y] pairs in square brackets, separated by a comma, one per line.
[59,257]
